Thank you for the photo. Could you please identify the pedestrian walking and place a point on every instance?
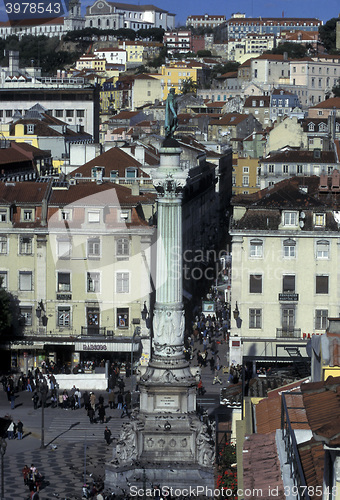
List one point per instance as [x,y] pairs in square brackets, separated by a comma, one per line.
[128,399]
[125,412]
[111,400]
[101,413]
[107,435]
[10,431]
[35,400]
[93,401]
[12,397]
[90,414]
[120,401]
[216,380]
[20,429]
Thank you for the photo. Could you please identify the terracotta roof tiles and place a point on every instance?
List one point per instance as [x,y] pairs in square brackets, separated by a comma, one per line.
[312,460]
[261,466]
[322,403]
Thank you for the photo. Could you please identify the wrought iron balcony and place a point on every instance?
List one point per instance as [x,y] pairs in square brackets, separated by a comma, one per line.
[288,333]
[93,331]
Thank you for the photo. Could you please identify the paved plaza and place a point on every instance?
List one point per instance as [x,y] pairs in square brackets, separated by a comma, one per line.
[74,448]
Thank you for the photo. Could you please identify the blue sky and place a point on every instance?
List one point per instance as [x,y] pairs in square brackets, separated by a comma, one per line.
[323,10]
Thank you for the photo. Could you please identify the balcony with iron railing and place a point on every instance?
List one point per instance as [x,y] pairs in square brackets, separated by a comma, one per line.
[96,331]
[288,333]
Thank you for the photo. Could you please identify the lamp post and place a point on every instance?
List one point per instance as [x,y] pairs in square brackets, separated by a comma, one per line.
[3,446]
[135,334]
[43,395]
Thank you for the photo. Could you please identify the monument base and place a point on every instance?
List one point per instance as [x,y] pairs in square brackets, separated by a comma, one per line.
[186,480]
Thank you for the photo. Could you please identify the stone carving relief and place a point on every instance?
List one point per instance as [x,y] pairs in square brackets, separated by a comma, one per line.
[205,447]
[126,448]
[168,327]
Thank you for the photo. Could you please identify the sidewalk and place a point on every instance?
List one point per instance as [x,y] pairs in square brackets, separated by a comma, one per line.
[69,436]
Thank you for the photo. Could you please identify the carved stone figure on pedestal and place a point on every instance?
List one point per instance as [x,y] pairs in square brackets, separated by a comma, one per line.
[126,448]
[171,120]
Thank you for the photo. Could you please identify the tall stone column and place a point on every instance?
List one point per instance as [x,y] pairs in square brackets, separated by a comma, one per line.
[166,444]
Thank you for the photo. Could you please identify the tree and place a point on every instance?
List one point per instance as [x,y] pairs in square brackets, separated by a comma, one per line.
[204,53]
[224,68]
[327,34]
[5,311]
[188,86]
[293,50]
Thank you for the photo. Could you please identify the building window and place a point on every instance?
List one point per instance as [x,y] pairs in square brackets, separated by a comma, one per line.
[322,249]
[122,317]
[59,113]
[255,283]
[299,169]
[319,220]
[290,218]
[255,318]
[288,319]
[64,317]
[93,216]
[321,317]
[26,315]
[245,170]
[124,216]
[321,284]
[256,248]
[64,248]
[80,113]
[245,180]
[93,248]
[3,216]
[64,282]
[271,169]
[288,283]
[122,247]
[3,279]
[69,113]
[93,282]
[3,245]
[65,215]
[28,215]
[122,282]
[285,169]
[289,248]
[25,245]
[25,281]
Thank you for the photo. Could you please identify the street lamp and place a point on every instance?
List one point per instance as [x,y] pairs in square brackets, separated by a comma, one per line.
[43,390]
[39,310]
[236,312]
[135,334]
[3,446]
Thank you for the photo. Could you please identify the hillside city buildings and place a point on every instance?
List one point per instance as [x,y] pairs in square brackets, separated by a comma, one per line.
[78,211]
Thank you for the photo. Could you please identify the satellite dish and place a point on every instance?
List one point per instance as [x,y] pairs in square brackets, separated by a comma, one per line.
[302,215]
[301,224]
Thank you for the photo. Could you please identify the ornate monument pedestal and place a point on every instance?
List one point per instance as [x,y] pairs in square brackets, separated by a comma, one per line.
[166,445]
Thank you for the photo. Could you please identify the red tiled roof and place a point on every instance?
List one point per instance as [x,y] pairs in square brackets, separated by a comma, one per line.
[312,458]
[333,102]
[113,159]
[23,192]
[261,466]
[322,403]
[230,119]
[268,411]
